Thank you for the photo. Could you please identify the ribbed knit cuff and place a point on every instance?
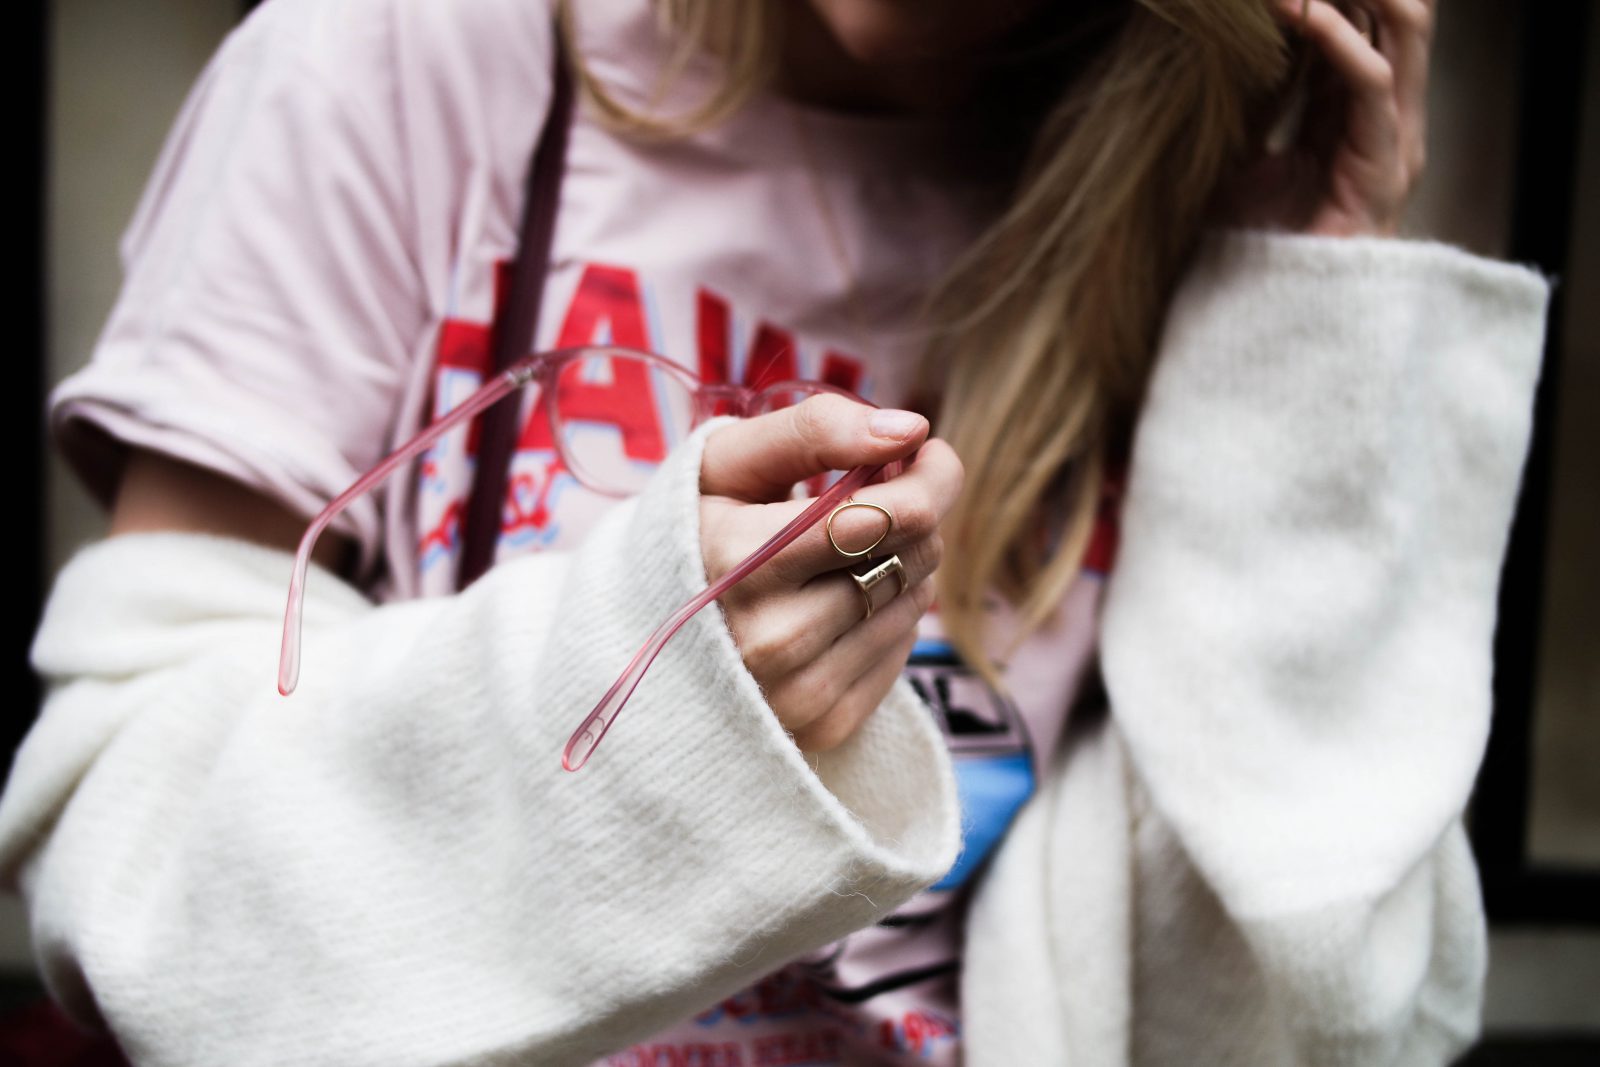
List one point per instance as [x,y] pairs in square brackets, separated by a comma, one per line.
[883,805]
[697,789]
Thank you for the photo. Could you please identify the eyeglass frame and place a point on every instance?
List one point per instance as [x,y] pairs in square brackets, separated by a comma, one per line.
[544,369]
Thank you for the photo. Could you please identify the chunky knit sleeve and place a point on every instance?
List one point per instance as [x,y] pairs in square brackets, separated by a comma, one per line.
[1256,857]
[390,866]
[1297,642]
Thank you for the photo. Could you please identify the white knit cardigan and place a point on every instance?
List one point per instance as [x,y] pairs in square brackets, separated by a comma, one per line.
[1256,859]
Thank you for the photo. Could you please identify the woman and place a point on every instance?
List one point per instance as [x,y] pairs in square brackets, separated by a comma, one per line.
[1256,857]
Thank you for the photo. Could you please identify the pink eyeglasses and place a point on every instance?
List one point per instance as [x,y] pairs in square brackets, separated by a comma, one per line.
[668,401]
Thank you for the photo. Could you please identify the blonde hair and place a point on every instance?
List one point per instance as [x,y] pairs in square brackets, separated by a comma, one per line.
[1053,316]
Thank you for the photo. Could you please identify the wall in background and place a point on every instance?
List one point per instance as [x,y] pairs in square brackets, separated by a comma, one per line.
[118,73]
[1565,822]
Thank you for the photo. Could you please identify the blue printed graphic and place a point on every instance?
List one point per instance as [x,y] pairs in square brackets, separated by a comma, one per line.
[993,789]
[989,745]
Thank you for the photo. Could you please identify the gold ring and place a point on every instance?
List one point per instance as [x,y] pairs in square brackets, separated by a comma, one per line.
[854,503]
[878,572]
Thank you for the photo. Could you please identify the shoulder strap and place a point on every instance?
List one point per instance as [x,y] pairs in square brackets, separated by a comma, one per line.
[512,332]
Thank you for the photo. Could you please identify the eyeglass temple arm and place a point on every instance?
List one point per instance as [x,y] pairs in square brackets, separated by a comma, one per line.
[587,737]
[512,378]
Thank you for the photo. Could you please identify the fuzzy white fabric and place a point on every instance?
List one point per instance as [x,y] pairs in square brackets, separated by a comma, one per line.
[1297,650]
[1256,859]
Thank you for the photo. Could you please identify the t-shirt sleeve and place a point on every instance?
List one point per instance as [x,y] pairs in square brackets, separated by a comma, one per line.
[277,280]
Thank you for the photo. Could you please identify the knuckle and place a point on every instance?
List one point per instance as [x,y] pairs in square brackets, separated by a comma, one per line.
[793,565]
[902,652]
[938,451]
[821,691]
[953,475]
[756,650]
[794,702]
[1418,15]
[908,609]
[736,605]
[768,649]
[823,413]
[830,731]
[947,454]
[1389,134]
[915,518]
[1382,77]
[923,557]
[796,721]
[811,417]
[713,541]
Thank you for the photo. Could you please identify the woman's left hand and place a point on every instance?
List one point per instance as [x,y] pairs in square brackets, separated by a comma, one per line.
[1359,150]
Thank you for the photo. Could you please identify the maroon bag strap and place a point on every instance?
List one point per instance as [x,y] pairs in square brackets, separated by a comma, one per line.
[512,332]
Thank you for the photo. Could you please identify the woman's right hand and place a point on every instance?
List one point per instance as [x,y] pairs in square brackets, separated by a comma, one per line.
[799,619]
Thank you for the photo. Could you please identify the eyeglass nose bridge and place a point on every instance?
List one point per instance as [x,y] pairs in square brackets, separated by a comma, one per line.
[721,398]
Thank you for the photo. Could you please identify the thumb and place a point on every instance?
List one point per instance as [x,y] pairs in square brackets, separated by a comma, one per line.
[762,459]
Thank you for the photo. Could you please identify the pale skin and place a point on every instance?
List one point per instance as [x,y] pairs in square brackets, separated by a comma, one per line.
[797,621]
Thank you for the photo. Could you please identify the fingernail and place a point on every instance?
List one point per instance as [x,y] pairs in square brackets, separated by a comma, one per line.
[894,424]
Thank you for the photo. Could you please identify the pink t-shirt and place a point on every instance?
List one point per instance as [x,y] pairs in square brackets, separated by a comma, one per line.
[311,276]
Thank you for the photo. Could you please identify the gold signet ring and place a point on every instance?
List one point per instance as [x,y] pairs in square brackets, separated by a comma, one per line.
[888,525]
[878,573]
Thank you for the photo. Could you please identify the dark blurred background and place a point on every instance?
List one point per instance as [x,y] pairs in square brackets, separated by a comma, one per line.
[1513,172]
